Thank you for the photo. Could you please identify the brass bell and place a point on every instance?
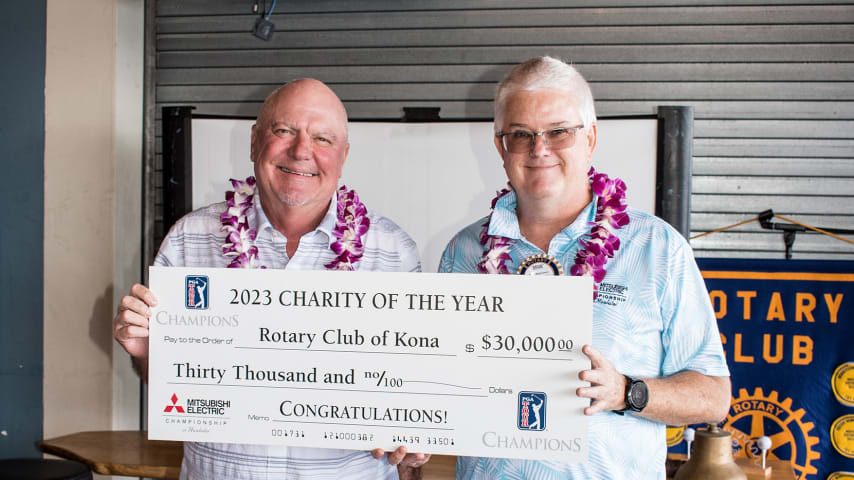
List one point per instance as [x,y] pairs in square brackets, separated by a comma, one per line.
[712,458]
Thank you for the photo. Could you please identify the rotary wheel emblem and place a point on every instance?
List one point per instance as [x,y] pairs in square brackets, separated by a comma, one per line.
[753,416]
[675,435]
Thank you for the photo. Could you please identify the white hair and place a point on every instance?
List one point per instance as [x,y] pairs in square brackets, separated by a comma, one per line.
[546,72]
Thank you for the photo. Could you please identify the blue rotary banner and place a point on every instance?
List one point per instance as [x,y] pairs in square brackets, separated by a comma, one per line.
[787,328]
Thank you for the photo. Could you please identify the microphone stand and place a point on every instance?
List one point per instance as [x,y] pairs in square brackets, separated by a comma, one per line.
[789,230]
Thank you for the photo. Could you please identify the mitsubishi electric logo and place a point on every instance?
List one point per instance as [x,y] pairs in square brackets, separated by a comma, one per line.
[611,294]
[178,408]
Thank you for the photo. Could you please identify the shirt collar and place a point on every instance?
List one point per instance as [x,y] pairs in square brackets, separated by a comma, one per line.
[505,223]
[581,225]
[326,226]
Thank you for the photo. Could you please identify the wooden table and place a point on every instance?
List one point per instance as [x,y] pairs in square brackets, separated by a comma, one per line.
[131,453]
[440,467]
[127,452]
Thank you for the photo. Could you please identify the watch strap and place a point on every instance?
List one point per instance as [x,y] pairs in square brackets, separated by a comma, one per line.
[625,408]
[627,396]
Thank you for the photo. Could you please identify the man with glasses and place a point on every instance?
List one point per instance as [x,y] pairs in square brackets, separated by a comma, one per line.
[299,145]
[656,357]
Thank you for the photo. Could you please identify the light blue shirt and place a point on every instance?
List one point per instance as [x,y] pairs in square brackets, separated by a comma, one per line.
[196,240]
[652,318]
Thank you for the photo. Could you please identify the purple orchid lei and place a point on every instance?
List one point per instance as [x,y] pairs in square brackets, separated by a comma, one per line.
[601,243]
[351,224]
[239,237]
[597,246]
[496,248]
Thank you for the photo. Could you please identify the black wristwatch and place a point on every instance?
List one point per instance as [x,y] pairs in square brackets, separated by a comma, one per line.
[637,395]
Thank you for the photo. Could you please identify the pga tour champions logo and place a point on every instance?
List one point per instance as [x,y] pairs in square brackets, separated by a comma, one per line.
[532,411]
[196,292]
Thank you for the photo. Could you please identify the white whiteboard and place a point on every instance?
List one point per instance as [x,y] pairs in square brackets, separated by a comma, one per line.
[432,179]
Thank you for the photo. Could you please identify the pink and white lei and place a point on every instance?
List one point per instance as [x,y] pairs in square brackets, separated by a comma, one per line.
[239,238]
[597,246]
[351,224]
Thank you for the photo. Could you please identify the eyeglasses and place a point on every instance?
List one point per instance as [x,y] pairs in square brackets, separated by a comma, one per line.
[522,141]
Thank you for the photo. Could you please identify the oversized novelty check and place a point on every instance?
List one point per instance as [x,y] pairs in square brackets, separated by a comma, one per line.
[481,365]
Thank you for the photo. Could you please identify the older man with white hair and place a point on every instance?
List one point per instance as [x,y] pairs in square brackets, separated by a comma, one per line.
[656,357]
[290,215]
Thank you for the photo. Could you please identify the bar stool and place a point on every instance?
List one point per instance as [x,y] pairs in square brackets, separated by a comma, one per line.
[43,469]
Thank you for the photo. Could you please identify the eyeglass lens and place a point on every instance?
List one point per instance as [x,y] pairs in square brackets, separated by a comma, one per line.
[521,141]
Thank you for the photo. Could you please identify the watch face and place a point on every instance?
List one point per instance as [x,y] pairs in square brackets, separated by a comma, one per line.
[638,395]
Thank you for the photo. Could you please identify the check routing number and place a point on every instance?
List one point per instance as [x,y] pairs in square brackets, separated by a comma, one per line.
[480,365]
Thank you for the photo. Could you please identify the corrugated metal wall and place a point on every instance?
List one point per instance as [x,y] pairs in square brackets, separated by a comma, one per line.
[772,83]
